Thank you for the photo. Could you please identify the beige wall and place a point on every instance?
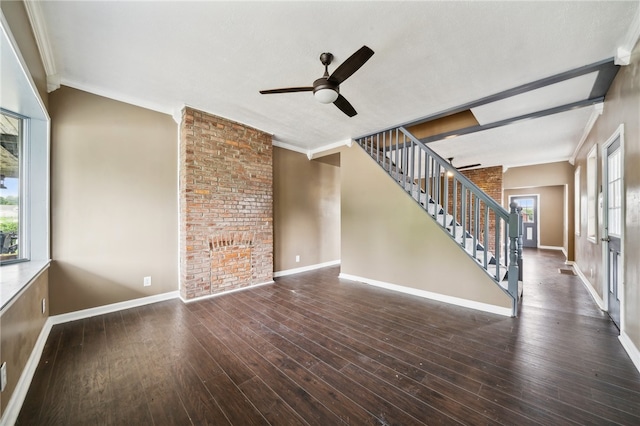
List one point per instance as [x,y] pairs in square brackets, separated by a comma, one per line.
[306,205]
[386,236]
[622,105]
[18,20]
[550,212]
[548,175]
[114,202]
[20,326]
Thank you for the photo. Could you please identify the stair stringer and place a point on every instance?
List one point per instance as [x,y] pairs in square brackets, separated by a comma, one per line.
[387,239]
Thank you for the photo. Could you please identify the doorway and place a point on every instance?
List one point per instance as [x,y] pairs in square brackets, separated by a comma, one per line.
[529,204]
[612,209]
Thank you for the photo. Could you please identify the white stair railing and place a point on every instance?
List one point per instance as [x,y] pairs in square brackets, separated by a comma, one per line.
[482,227]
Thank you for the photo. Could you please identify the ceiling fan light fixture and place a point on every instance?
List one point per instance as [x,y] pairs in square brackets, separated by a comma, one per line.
[325,96]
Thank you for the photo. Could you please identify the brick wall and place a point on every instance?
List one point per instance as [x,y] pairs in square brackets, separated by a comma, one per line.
[226,205]
[488,179]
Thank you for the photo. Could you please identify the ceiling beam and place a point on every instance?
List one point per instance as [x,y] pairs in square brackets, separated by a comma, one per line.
[606,69]
[508,121]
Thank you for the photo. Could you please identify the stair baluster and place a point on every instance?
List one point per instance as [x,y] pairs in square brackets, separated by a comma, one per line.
[459,206]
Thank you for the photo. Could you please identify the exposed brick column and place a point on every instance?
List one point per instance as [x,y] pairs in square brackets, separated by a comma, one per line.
[489,180]
[226,205]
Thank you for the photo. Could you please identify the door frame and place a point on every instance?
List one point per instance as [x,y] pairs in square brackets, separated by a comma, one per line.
[537,218]
[619,132]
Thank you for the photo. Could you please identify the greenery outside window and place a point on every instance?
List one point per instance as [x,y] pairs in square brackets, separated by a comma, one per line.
[12,226]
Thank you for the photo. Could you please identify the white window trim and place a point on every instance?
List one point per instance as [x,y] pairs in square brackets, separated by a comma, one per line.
[577,214]
[592,186]
[27,103]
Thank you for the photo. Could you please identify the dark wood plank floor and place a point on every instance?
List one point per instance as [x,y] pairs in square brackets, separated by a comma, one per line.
[315,350]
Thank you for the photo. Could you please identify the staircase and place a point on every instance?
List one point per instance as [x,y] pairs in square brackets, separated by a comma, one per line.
[490,235]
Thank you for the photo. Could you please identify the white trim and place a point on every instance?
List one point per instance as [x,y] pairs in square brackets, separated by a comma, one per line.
[618,133]
[631,349]
[552,248]
[290,147]
[120,97]
[39,27]
[589,287]
[465,303]
[14,406]
[113,307]
[538,209]
[312,153]
[16,278]
[598,109]
[20,392]
[623,53]
[305,268]
[235,290]
[347,143]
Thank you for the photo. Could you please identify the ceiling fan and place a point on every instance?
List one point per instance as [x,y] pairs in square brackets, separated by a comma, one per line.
[326,89]
[468,166]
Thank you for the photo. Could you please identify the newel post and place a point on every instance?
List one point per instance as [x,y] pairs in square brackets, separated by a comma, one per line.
[514,270]
[520,231]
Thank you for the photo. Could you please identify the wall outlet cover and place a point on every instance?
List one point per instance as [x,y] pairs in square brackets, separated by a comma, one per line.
[147,281]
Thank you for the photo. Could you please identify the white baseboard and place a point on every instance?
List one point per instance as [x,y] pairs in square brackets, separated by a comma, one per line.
[589,287]
[433,296]
[222,293]
[631,349]
[114,307]
[12,411]
[551,248]
[305,268]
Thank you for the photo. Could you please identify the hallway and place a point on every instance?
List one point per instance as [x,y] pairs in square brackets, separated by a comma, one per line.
[313,349]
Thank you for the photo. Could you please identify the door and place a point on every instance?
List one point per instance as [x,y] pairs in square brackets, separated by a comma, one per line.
[612,209]
[529,204]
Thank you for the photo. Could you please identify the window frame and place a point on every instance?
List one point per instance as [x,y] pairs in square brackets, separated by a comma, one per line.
[21,97]
[24,234]
[592,194]
[577,213]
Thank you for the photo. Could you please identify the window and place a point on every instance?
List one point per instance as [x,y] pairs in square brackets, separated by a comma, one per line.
[576,201]
[12,229]
[592,194]
[24,166]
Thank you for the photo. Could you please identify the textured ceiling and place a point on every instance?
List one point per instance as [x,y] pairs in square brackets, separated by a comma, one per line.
[429,57]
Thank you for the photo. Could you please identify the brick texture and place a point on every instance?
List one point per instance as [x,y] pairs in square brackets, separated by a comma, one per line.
[489,180]
[226,205]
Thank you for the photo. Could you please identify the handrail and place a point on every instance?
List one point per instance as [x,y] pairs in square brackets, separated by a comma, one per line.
[465,211]
[460,177]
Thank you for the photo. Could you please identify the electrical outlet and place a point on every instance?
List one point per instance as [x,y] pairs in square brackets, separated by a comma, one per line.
[44,305]
[147,281]
[3,376]
[297,258]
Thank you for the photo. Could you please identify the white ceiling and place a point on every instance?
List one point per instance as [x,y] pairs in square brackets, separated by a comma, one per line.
[429,57]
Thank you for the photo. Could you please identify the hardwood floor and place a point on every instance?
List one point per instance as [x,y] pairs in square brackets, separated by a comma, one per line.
[315,350]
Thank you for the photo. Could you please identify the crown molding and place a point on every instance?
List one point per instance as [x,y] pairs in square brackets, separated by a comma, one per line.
[39,27]
[597,111]
[623,53]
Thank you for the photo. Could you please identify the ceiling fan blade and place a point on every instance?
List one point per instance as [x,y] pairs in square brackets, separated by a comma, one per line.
[287,90]
[345,106]
[468,166]
[351,65]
